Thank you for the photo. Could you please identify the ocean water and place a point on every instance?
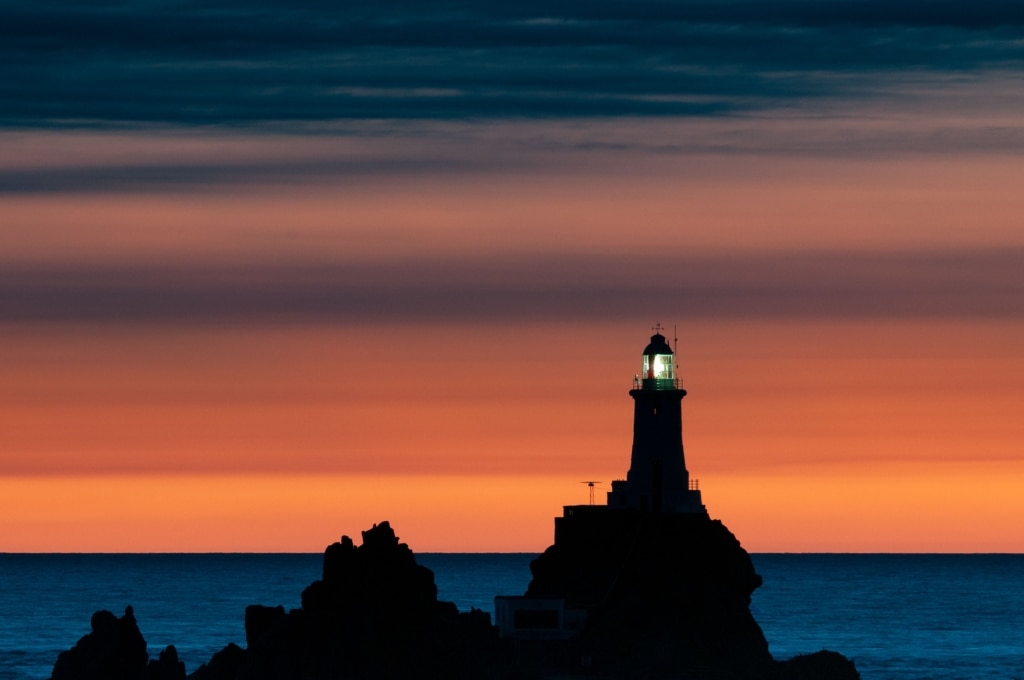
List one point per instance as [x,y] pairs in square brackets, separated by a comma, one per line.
[907,617]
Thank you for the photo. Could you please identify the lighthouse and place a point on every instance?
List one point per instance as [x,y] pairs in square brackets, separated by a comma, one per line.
[658,480]
[653,516]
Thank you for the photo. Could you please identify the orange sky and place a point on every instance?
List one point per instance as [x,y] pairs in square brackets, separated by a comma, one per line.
[806,435]
[265,366]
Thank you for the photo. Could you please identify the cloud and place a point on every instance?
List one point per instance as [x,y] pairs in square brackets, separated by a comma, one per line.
[170,177]
[68,162]
[258,63]
[980,283]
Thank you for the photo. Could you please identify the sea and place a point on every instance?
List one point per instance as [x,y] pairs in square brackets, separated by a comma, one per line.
[906,617]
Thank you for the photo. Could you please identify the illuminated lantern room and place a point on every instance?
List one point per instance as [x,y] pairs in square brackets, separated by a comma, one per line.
[659,369]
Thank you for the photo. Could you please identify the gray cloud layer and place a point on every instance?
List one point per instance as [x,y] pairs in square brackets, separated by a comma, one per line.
[250,63]
[983,283]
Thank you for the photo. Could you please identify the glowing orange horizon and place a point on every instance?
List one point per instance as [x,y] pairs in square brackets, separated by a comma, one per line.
[889,508]
[843,445]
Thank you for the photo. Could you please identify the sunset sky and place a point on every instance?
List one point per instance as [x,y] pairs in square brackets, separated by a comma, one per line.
[273,272]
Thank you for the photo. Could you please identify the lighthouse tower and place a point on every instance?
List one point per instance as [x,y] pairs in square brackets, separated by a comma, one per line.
[650,517]
[658,480]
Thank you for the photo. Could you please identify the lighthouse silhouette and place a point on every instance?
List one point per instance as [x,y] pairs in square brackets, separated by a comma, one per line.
[649,585]
[658,480]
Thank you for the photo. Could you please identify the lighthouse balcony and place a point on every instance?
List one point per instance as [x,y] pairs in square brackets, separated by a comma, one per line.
[657,383]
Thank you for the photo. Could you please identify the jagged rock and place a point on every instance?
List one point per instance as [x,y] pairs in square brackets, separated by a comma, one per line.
[823,665]
[374,614]
[380,579]
[166,666]
[227,663]
[663,592]
[263,622]
[114,650]
[667,595]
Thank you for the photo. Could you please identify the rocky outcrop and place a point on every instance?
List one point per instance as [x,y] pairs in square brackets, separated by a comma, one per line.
[116,650]
[374,614]
[227,663]
[823,665]
[665,595]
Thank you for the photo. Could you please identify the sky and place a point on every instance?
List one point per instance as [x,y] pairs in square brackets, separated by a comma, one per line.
[273,272]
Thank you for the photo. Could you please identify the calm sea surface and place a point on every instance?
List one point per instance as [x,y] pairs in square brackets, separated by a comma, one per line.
[898,616]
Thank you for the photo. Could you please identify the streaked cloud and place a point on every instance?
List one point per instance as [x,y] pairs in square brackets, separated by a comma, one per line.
[60,162]
[980,283]
[256,63]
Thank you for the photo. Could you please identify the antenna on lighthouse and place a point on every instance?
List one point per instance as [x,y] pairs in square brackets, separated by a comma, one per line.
[591,485]
[675,346]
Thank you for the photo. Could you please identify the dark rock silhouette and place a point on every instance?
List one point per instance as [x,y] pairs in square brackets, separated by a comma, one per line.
[374,614]
[227,663]
[823,665]
[671,589]
[116,650]
[665,595]
[166,666]
[671,601]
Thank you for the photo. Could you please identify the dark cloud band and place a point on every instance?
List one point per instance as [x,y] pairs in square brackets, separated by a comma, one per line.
[253,63]
[983,283]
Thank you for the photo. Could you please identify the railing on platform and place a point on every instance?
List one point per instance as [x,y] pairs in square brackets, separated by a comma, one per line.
[657,383]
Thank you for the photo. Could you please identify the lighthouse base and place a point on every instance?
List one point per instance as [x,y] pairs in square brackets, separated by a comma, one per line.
[667,589]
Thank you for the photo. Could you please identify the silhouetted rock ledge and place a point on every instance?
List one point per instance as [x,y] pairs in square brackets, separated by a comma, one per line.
[656,610]
[664,595]
[116,650]
[374,614]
